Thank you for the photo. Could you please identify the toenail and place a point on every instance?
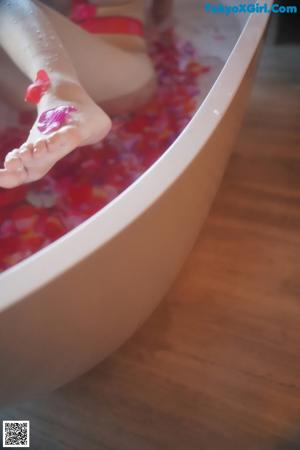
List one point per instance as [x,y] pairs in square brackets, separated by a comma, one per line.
[11,159]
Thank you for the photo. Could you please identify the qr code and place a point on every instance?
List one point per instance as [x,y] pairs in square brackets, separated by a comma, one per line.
[15,433]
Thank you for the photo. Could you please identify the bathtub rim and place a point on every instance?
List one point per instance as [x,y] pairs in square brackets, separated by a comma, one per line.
[44,266]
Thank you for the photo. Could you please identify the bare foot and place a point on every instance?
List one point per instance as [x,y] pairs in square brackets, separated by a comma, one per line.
[86,124]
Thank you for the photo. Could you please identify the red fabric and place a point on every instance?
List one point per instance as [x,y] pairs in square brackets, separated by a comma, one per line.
[114,25]
[84,14]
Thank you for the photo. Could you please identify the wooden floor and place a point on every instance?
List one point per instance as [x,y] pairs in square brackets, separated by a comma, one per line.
[217,366]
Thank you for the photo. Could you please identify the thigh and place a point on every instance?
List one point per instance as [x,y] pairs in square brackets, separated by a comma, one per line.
[105,70]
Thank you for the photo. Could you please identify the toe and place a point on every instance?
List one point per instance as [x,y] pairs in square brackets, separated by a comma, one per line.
[12,161]
[25,152]
[10,179]
[40,148]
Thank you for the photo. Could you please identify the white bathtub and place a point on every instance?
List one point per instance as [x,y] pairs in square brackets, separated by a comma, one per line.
[68,306]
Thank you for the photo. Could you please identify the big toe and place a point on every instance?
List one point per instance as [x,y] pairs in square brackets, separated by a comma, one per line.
[12,161]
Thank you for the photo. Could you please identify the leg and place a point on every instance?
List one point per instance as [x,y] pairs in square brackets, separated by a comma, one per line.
[106,70]
[13,84]
[46,35]
[115,94]
[26,34]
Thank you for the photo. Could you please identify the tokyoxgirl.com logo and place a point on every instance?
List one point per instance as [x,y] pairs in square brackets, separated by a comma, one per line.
[256,8]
